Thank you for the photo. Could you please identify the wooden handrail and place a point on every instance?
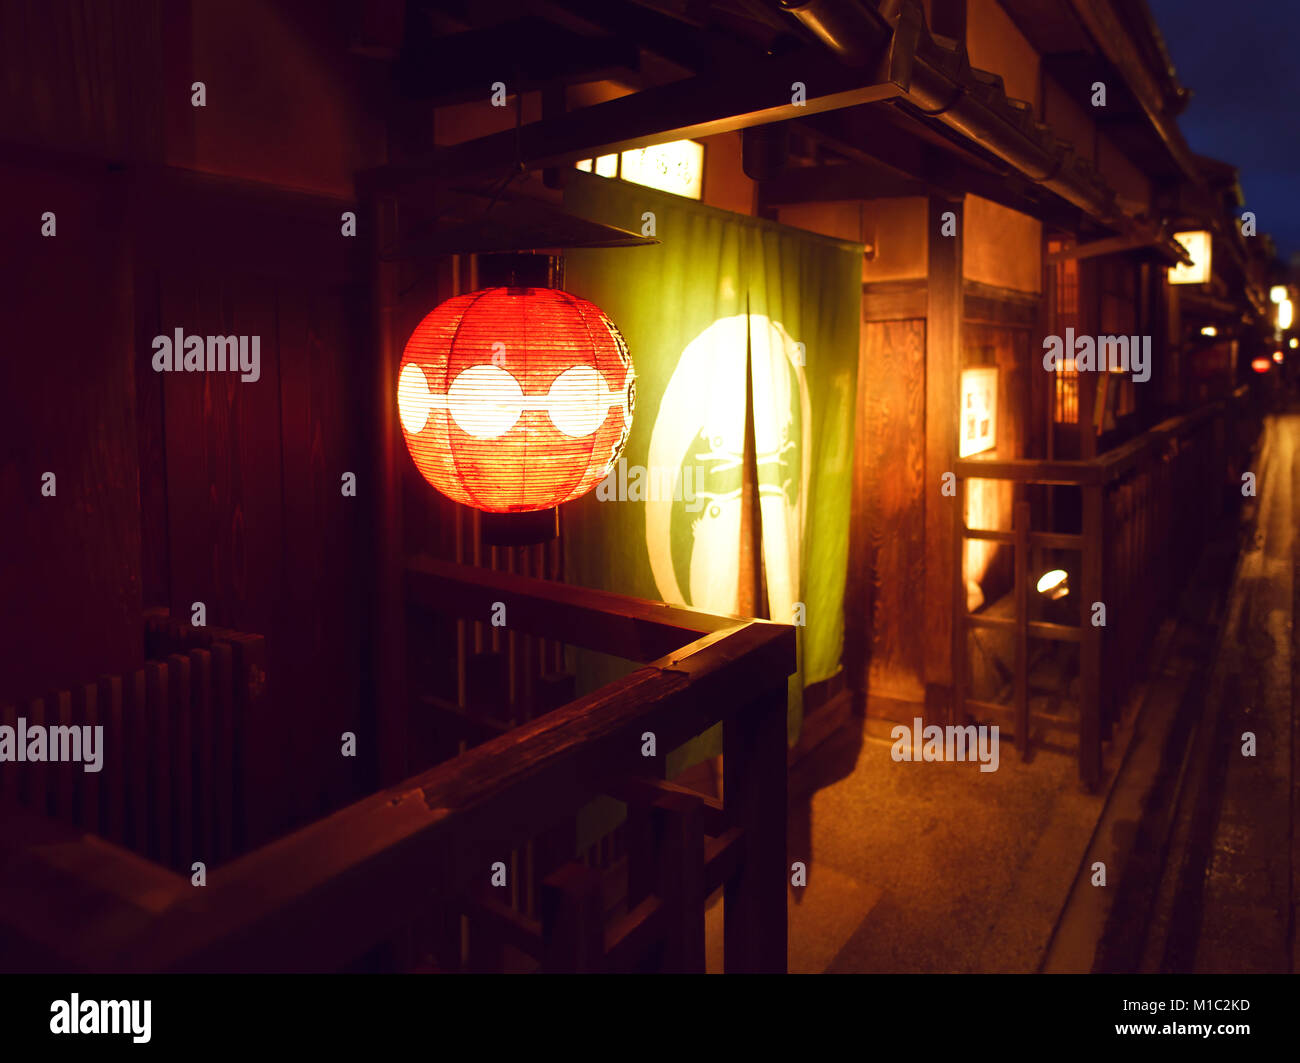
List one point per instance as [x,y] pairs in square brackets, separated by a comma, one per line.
[1097,471]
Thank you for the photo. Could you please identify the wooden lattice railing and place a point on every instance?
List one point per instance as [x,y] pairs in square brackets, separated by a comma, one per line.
[420,851]
[1147,508]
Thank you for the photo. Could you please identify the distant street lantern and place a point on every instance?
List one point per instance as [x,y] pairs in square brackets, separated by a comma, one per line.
[1198,246]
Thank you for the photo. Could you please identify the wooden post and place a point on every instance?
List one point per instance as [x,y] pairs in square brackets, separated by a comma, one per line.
[754,788]
[389,689]
[679,832]
[959,626]
[943,360]
[1090,643]
[573,930]
[1021,531]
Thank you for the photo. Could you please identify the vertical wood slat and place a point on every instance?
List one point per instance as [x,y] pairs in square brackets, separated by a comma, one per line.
[1090,643]
[202,753]
[135,761]
[960,629]
[63,792]
[679,831]
[1021,559]
[180,752]
[553,847]
[223,722]
[32,777]
[85,711]
[754,766]
[112,781]
[573,932]
[256,772]
[157,725]
[9,789]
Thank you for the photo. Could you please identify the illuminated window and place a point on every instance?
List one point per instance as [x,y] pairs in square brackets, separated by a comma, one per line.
[1065,314]
[979,411]
[676,167]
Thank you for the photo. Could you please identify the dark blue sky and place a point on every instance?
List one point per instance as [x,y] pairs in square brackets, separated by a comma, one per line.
[1242,63]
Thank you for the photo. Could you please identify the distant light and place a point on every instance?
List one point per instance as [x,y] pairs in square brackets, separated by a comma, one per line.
[1294,343]
[1277,357]
[1277,293]
[1209,330]
[1285,314]
[1197,244]
[1261,364]
[1055,584]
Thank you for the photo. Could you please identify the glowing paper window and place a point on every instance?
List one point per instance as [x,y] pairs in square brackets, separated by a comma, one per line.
[979,411]
[1198,247]
[676,167]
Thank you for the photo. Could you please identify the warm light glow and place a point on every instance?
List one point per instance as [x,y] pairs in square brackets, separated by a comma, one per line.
[1294,343]
[1209,330]
[1277,293]
[515,399]
[1198,247]
[1277,357]
[1285,314]
[979,411]
[1054,584]
[1261,364]
[676,167]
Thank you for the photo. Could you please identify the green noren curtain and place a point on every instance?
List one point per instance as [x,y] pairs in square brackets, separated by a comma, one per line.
[727,309]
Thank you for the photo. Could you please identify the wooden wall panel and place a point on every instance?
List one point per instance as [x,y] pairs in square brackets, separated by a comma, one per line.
[885,609]
[257,527]
[70,566]
[321,438]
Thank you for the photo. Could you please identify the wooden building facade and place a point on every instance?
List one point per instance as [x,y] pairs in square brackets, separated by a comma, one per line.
[235,577]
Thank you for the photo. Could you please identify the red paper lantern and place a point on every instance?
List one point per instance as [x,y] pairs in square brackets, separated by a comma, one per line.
[515,399]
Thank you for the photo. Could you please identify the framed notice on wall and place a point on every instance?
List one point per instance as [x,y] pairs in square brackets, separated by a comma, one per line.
[979,410]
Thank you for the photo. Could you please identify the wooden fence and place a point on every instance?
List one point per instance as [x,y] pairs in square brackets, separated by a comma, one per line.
[1147,508]
[407,863]
[174,783]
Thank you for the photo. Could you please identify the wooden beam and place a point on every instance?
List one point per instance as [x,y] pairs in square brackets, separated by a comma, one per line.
[718,102]
[987,303]
[847,181]
[633,628]
[894,300]
[1110,246]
